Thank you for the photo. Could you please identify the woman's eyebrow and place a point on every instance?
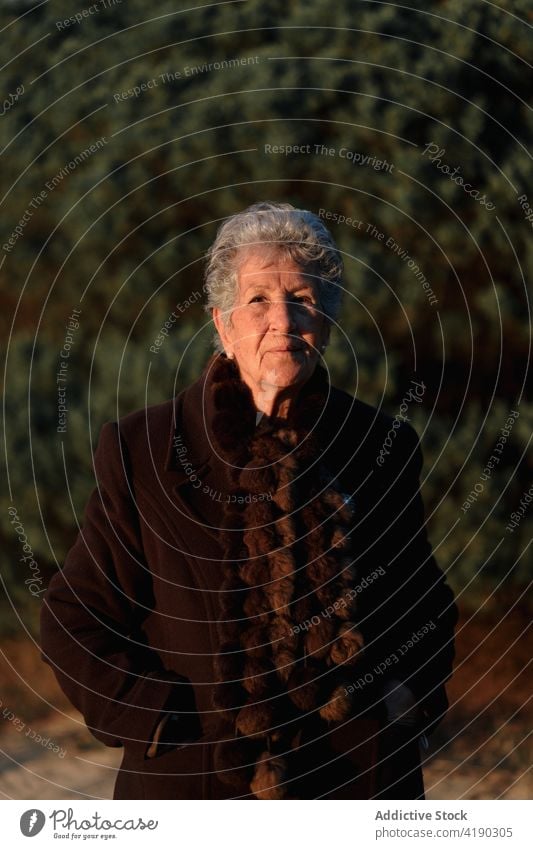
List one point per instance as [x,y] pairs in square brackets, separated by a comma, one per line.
[292,286]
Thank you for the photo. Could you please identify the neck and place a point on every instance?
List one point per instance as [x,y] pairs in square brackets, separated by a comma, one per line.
[273,401]
[231,406]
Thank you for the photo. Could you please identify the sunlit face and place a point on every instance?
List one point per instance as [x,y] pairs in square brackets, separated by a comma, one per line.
[277,327]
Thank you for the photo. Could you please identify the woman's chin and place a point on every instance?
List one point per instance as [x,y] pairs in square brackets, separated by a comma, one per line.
[285,374]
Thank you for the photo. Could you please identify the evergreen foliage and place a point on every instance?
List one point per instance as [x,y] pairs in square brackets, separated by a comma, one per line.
[121,231]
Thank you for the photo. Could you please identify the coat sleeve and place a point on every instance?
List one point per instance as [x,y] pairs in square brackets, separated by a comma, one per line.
[412,629]
[92,614]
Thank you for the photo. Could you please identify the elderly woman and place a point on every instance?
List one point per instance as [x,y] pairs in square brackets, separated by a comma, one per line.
[252,609]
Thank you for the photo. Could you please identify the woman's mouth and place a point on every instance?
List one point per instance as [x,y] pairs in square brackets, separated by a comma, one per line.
[284,349]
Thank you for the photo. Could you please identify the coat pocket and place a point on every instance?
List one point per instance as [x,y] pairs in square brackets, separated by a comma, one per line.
[339,763]
[181,773]
[399,768]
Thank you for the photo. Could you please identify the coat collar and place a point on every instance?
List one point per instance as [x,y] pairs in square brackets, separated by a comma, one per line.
[189,427]
[192,417]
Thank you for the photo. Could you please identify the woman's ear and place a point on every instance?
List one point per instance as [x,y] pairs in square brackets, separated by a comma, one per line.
[222,329]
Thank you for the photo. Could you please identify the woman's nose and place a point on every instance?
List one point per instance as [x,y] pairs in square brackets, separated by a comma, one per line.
[282,315]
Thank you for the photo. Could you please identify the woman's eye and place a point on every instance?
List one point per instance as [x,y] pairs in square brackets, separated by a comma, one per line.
[299,300]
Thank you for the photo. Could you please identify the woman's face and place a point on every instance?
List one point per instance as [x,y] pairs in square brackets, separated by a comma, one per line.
[277,327]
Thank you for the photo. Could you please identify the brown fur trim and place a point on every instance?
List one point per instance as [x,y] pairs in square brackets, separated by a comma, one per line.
[304,608]
[257,680]
[348,646]
[327,595]
[228,698]
[285,530]
[340,540]
[255,640]
[228,662]
[260,514]
[269,776]
[286,558]
[257,606]
[338,707]
[256,719]
[319,638]
[259,540]
[234,762]
[259,481]
[306,687]
[281,563]
[255,573]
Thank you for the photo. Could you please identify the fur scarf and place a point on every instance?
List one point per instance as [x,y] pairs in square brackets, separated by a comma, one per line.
[286,562]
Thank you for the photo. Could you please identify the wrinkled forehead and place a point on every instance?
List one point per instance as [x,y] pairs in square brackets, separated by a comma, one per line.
[257,263]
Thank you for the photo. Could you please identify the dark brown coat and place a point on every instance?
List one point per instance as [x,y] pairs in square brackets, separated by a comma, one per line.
[129,624]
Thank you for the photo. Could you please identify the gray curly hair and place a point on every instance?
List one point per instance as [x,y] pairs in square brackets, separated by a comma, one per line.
[279,228]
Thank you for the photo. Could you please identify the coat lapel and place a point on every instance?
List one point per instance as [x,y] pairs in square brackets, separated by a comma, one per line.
[189,457]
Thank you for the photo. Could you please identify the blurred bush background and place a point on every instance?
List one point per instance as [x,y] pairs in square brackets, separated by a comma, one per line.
[123,230]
